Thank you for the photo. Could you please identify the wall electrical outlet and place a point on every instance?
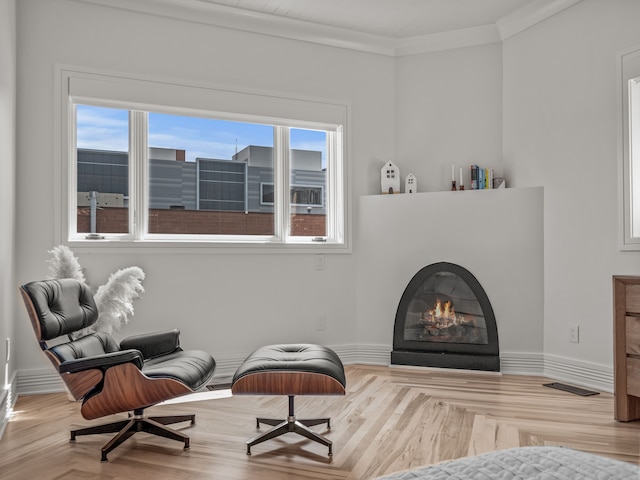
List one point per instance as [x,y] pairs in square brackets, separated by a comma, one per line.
[574,333]
[319,261]
[321,322]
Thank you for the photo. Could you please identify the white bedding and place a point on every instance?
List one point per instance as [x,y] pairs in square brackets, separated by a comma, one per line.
[526,463]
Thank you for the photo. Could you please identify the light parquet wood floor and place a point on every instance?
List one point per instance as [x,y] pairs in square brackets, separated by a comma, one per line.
[390,419]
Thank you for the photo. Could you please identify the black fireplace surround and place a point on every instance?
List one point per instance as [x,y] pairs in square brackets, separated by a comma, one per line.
[445,320]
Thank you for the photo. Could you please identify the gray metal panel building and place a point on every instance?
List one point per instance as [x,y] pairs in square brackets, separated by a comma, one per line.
[207,184]
[172,184]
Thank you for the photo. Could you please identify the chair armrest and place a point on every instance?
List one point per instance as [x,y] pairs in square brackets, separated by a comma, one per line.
[153,344]
[102,361]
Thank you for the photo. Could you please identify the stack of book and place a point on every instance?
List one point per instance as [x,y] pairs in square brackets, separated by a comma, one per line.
[481,178]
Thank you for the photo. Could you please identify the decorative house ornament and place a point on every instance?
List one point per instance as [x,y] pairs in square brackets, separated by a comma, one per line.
[389,179]
[410,184]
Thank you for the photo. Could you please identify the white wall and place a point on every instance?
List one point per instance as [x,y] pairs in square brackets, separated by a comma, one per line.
[560,132]
[448,111]
[8,292]
[224,303]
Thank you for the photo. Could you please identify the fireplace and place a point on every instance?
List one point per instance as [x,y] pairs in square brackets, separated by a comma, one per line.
[445,319]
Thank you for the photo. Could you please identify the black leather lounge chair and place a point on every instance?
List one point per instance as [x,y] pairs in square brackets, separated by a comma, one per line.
[109,377]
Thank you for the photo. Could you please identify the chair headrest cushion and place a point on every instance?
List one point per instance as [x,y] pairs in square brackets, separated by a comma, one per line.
[62,306]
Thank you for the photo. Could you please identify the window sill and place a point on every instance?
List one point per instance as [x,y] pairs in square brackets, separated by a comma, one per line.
[204,247]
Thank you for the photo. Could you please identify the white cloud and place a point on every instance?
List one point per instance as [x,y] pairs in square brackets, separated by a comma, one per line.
[102,128]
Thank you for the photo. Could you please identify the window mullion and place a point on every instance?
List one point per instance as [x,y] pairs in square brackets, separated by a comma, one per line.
[281,183]
[634,154]
[72,178]
[335,193]
[330,185]
[138,174]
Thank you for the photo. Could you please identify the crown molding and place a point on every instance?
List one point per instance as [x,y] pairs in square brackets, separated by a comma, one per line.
[531,14]
[435,42]
[201,11]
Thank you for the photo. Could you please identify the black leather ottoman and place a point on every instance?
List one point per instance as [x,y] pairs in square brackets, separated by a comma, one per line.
[298,369]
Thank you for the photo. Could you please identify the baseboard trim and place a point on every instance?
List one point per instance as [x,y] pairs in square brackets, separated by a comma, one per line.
[358,354]
[522,363]
[583,374]
[575,372]
[38,381]
[8,397]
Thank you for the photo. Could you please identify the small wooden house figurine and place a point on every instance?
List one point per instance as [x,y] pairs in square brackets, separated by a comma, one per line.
[389,179]
[410,184]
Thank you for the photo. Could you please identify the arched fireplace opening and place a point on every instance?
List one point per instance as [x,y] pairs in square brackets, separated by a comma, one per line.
[445,320]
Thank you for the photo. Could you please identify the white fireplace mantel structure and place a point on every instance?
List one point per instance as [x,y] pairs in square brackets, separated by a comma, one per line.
[495,234]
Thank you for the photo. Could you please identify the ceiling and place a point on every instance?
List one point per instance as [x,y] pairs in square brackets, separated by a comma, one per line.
[388,18]
[385,27]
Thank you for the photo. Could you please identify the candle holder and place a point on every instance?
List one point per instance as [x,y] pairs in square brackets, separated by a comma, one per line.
[453,185]
[461,187]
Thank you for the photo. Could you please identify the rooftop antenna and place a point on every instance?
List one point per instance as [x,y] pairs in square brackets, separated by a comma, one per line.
[236,146]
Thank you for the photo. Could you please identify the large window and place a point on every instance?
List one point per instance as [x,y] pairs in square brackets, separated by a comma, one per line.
[156,169]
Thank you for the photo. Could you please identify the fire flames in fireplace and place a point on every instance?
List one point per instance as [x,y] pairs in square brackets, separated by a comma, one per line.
[441,323]
[442,316]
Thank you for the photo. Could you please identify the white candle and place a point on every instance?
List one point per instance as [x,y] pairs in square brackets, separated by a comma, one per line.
[461,183]
[453,175]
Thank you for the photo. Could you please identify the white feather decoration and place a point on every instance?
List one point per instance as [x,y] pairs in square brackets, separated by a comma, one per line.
[115,298]
[64,264]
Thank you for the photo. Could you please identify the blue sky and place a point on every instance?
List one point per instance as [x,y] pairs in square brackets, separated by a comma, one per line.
[107,129]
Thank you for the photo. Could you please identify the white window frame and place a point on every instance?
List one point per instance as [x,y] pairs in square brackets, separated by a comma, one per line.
[140,95]
[629,148]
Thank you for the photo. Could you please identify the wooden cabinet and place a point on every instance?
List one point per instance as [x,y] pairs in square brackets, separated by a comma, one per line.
[626,342]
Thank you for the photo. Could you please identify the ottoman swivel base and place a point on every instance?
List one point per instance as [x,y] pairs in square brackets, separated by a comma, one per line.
[303,369]
[291,424]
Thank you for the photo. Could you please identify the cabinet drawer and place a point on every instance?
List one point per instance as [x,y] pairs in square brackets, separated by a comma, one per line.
[633,376]
[632,335]
[632,303]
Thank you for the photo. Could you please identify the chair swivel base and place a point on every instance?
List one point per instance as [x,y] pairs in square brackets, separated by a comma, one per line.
[291,424]
[138,423]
